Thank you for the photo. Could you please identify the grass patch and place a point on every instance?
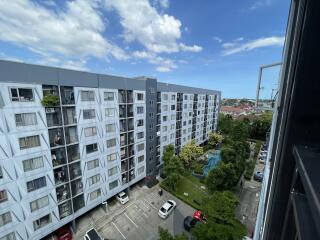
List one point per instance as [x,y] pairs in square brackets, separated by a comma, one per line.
[190,185]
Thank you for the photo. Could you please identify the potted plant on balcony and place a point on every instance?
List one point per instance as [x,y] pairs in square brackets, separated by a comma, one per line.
[50,100]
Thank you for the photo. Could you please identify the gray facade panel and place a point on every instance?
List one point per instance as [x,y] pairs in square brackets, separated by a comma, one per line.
[167,87]
[78,79]
[107,81]
[42,75]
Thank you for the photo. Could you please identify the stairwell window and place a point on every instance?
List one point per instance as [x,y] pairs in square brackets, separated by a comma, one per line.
[112,157]
[113,184]
[39,203]
[111,143]
[111,128]
[41,222]
[5,218]
[140,110]
[26,119]
[90,131]
[91,148]
[21,94]
[95,194]
[94,179]
[87,96]
[29,142]
[140,147]
[112,171]
[3,196]
[89,114]
[110,112]
[109,96]
[32,164]
[36,184]
[140,96]
[140,158]
[93,164]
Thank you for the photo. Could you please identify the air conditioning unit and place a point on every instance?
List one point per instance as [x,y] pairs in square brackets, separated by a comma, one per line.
[50,110]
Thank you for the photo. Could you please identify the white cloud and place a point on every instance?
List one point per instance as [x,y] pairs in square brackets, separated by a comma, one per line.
[141,22]
[74,33]
[259,4]
[163,64]
[233,48]
[217,39]
[194,48]
[164,3]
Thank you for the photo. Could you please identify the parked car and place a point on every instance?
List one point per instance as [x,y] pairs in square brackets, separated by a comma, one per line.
[258,176]
[92,234]
[167,208]
[198,215]
[63,233]
[122,197]
[189,223]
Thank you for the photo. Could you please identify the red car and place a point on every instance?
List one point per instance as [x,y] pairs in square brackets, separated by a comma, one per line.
[200,216]
[64,233]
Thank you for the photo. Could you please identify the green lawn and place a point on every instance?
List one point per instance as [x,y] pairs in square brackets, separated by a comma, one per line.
[191,185]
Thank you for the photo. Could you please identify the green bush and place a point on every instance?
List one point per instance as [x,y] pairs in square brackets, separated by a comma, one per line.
[198,168]
[50,100]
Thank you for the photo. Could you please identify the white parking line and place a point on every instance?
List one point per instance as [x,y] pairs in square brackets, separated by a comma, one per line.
[141,211]
[131,220]
[119,230]
[151,205]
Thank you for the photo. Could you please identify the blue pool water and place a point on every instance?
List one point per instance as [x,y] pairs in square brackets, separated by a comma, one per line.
[213,159]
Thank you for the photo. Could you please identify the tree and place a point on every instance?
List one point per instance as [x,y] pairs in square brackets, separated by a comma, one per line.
[165,235]
[225,123]
[190,153]
[221,222]
[50,100]
[260,125]
[168,153]
[239,131]
[215,139]
[223,177]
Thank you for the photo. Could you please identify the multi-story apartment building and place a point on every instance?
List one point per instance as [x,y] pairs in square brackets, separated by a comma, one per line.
[70,140]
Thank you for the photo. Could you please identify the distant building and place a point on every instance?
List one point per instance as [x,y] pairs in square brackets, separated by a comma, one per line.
[233,111]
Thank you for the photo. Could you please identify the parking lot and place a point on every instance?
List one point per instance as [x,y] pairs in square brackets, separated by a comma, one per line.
[138,219]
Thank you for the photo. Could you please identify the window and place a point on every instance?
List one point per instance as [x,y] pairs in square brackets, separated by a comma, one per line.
[140,96]
[90,131]
[165,96]
[41,222]
[185,106]
[10,236]
[90,148]
[109,96]
[94,179]
[110,112]
[5,218]
[112,157]
[87,96]
[140,159]
[93,164]
[39,203]
[173,107]
[139,110]
[164,118]
[140,123]
[112,171]
[173,117]
[164,138]
[113,184]
[36,184]
[111,128]
[172,127]
[3,196]
[95,194]
[173,97]
[185,97]
[140,170]
[89,114]
[111,143]
[140,147]
[29,142]
[151,115]
[164,128]
[26,119]
[21,94]
[140,135]
[32,164]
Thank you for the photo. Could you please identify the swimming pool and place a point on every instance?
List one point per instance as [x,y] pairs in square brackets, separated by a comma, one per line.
[213,159]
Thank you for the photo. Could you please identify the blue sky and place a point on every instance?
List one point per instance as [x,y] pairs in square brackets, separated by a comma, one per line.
[217,44]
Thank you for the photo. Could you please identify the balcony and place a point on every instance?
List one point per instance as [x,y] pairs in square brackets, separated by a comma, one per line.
[60,175]
[158,119]
[63,192]
[69,115]
[123,125]
[129,96]
[71,135]
[122,111]
[123,153]
[122,96]
[58,156]
[180,97]
[130,110]
[78,202]
[53,116]
[158,151]
[76,187]
[75,170]
[131,150]
[158,141]
[123,139]
[67,95]
[131,163]
[50,90]
[130,138]
[124,166]
[158,108]
[65,209]
[158,96]
[56,137]
[73,153]
[131,175]
[124,178]
[130,125]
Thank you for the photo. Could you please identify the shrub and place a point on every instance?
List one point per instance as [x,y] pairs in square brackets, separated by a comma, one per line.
[50,100]
[198,169]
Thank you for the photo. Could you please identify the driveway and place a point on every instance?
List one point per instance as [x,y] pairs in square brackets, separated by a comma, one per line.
[138,219]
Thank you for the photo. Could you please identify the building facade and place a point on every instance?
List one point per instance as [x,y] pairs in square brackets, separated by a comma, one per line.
[70,140]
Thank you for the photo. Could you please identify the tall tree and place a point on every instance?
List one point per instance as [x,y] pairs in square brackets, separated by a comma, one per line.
[225,123]
[215,139]
[190,153]
[221,222]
